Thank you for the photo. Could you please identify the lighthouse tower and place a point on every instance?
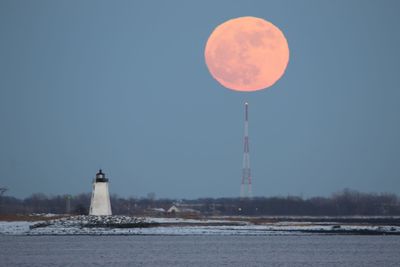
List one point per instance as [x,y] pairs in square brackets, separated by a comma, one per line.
[100,203]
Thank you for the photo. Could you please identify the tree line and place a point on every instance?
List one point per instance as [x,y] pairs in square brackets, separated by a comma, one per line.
[344,203]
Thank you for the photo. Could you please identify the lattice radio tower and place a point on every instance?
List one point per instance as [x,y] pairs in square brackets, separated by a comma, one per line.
[245,189]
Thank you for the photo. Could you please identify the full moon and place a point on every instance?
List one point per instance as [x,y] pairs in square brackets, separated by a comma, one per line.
[247,54]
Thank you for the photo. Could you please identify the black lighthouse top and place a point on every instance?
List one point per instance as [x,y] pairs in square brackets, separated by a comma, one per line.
[101,177]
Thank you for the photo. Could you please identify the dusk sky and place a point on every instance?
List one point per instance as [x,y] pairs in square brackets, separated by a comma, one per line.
[123,86]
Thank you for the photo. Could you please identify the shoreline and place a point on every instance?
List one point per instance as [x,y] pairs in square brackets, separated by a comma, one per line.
[129,225]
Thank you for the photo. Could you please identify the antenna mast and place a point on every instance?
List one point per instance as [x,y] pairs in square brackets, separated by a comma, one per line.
[246,172]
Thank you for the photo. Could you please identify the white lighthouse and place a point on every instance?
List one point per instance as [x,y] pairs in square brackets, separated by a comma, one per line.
[100,202]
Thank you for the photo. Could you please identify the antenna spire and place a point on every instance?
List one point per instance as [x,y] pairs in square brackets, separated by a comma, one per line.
[246,172]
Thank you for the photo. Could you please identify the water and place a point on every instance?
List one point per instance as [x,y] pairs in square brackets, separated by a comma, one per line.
[313,250]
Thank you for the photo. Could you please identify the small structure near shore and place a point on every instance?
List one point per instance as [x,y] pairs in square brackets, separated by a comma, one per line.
[100,202]
[173,209]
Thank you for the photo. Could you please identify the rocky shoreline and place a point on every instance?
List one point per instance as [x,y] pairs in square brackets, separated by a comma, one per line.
[129,225]
[84,221]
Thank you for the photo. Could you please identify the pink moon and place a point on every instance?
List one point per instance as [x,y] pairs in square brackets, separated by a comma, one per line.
[247,54]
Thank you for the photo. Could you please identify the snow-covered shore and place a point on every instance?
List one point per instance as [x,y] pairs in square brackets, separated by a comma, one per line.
[126,225]
[15,228]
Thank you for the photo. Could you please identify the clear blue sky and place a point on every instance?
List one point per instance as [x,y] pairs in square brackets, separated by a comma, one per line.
[122,85]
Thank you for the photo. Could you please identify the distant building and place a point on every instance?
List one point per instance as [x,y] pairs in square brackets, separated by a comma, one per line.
[173,209]
[182,210]
[100,203]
